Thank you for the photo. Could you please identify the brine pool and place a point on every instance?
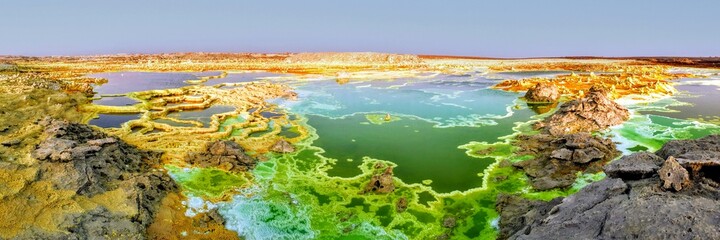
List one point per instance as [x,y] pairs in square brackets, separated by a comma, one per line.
[444,136]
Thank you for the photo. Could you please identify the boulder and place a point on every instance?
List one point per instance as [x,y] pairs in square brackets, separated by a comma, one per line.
[673,175]
[543,92]
[517,212]
[635,166]
[677,147]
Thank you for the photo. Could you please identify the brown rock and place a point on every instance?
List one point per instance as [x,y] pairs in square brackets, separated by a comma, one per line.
[449,222]
[594,112]
[543,92]
[401,205]
[225,155]
[558,159]
[381,183]
[282,146]
[673,175]
[100,142]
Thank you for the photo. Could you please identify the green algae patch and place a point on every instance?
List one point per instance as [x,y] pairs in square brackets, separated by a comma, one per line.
[379,119]
[489,150]
[207,182]
[229,122]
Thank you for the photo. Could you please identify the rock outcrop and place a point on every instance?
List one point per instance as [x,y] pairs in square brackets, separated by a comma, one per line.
[631,202]
[593,112]
[565,146]
[635,166]
[74,158]
[381,182]
[543,92]
[225,155]
[282,146]
[517,212]
[558,159]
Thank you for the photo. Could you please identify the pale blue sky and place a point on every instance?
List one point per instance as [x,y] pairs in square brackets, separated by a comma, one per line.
[498,28]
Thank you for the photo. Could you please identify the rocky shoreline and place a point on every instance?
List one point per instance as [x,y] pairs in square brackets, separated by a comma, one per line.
[565,145]
[634,201]
[673,193]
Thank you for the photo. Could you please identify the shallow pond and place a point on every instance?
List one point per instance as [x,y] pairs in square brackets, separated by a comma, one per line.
[112,120]
[203,116]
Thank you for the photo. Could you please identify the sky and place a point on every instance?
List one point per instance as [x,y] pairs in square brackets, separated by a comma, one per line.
[500,28]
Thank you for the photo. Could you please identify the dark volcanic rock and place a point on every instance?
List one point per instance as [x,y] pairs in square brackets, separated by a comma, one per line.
[558,159]
[591,113]
[225,155]
[101,222]
[634,166]
[517,212]
[543,92]
[678,147]
[100,161]
[78,158]
[633,205]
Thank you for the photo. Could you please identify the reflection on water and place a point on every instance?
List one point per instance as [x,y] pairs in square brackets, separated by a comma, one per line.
[113,120]
[527,74]
[115,101]
[241,77]
[173,123]
[541,108]
[202,116]
[126,82]
[703,101]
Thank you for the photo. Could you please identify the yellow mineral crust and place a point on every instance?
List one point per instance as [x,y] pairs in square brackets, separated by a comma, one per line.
[631,80]
[171,223]
[175,140]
